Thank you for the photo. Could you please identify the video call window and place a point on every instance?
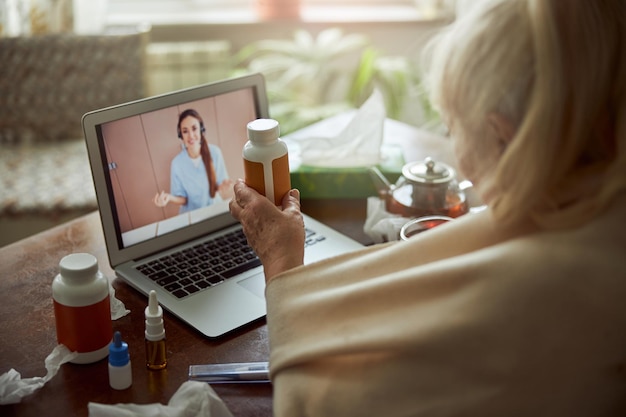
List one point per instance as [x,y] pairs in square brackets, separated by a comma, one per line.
[153,164]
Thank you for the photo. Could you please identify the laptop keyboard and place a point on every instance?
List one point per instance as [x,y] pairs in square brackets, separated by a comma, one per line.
[207,264]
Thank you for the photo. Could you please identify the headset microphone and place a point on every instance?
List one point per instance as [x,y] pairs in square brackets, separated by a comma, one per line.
[180,136]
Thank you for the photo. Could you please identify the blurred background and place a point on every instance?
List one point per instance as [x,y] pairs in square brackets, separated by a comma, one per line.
[62,58]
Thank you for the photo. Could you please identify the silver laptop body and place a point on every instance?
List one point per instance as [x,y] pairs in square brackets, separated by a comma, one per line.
[130,149]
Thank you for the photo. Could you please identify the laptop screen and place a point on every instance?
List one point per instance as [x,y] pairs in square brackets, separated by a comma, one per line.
[168,163]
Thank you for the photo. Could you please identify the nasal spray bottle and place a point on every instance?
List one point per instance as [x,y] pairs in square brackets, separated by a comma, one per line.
[266,160]
[156,353]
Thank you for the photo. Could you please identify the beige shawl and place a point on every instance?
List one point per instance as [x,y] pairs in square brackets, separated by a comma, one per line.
[457,322]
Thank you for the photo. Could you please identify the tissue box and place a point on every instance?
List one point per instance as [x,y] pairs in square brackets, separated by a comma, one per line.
[314,182]
[344,182]
[401,143]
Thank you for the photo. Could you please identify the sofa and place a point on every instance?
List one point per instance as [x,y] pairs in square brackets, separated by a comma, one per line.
[47,83]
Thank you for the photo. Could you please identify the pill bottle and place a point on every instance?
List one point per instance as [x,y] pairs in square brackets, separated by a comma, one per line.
[82,309]
[266,160]
[120,370]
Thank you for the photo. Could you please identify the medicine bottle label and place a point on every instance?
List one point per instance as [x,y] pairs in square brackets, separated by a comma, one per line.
[273,181]
[84,329]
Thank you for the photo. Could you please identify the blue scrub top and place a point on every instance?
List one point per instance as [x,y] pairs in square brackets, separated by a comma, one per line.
[191,181]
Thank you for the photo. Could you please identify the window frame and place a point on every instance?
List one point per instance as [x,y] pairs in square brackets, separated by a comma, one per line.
[94,16]
[166,12]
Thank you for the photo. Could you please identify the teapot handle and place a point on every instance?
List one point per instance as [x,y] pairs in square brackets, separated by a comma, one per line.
[467,186]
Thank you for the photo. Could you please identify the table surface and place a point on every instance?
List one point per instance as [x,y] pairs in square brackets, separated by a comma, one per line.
[27,328]
[28,335]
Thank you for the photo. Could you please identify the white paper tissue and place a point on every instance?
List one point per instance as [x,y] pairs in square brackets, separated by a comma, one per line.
[381,225]
[13,388]
[118,309]
[357,145]
[193,398]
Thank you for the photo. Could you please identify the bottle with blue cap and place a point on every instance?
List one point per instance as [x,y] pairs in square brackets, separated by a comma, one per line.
[120,372]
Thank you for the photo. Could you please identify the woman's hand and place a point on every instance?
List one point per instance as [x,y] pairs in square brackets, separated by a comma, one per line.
[161,199]
[275,233]
[225,189]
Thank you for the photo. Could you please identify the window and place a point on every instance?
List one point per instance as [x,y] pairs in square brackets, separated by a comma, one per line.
[92,15]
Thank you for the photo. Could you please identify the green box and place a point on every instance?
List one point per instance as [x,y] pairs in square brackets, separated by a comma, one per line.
[316,182]
[401,143]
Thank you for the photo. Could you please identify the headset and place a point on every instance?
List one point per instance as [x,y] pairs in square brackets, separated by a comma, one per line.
[180,136]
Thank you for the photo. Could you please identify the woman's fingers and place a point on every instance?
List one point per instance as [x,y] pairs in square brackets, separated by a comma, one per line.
[160,199]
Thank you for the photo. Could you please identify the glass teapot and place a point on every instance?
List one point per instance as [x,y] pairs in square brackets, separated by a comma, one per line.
[425,188]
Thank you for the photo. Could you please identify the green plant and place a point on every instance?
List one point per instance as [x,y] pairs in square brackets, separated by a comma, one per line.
[399,80]
[306,76]
[311,78]
[393,76]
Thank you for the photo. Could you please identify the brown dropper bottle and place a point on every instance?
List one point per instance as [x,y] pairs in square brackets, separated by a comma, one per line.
[156,352]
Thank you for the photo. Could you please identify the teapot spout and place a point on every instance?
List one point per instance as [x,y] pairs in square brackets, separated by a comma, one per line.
[383,186]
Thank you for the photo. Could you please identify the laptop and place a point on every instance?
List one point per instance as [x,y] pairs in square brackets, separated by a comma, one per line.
[182,253]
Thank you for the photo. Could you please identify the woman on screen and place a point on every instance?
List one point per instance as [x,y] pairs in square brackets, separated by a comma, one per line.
[198,172]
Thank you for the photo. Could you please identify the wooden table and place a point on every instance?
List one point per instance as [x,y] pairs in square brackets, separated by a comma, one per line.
[27,329]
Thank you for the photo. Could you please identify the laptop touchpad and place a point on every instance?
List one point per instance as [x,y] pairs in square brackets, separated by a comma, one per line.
[255,284]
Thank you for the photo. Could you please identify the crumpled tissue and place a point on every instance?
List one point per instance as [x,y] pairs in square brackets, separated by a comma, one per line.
[118,309]
[13,388]
[357,145]
[380,225]
[193,398]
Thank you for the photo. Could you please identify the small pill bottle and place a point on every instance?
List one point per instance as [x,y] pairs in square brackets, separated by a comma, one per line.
[120,370]
[82,308]
[266,160]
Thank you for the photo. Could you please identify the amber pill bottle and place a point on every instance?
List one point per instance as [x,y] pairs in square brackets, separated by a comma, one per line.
[82,309]
[266,160]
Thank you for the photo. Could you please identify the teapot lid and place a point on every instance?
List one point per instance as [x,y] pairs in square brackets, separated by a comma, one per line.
[428,172]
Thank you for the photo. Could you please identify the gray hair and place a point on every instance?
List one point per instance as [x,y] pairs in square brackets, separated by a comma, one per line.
[556,69]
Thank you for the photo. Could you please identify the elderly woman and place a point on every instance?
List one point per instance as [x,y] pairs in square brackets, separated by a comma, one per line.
[517,310]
